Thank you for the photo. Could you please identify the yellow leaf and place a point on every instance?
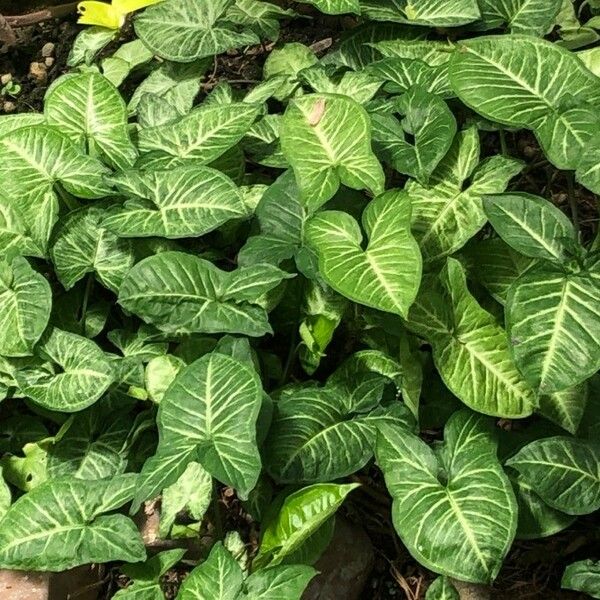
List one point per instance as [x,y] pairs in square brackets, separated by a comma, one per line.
[107,15]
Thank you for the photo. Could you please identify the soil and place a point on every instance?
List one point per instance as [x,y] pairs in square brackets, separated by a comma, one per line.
[533,568]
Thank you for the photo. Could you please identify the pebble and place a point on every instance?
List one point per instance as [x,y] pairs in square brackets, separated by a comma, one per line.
[37,71]
[9,107]
[6,78]
[47,49]
[49,61]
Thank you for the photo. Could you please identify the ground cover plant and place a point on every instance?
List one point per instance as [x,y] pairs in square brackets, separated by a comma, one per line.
[340,276]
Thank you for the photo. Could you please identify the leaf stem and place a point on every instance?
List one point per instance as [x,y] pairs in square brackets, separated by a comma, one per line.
[217,510]
[89,284]
[573,202]
[503,144]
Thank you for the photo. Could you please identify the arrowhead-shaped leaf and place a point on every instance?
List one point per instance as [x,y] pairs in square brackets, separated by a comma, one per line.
[187,201]
[327,140]
[208,414]
[58,525]
[532,17]
[89,109]
[442,589]
[449,13]
[446,213]
[184,30]
[25,304]
[386,275]
[563,471]
[75,375]
[179,292]
[553,322]
[439,510]
[583,576]
[335,7]
[470,349]
[82,244]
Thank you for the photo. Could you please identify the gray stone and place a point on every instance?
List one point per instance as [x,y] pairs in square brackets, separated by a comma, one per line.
[344,567]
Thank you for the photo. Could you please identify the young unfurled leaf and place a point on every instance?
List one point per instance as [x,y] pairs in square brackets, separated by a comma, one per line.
[336,147]
[563,471]
[25,304]
[208,414]
[60,525]
[358,85]
[387,274]
[447,213]
[439,510]
[83,245]
[179,292]
[188,201]
[185,30]
[553,323]
[470,349]
[90,110]
[425,117]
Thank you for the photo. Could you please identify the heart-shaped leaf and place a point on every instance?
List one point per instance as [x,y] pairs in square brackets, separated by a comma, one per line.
[442,589]
[583,576]
[187,201]
[553,322]
[335,133]
[563,471]
[19,236]
[208,414]
[59,525]
[25,304]
[179,292]
[184,30]
[75,375]
[387,274]
[83,245]
[470,349]
[566,408]
[335,7]
[532,17]
[439,510]
[450,13]
[89,109]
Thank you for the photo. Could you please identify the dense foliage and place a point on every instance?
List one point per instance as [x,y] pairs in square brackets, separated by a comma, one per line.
[276,285]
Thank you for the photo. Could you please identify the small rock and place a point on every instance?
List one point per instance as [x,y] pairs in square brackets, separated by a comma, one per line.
[344,567]
[6,78]
[472,591]
[9,107]
[47,49]
[49,61]
[38,71]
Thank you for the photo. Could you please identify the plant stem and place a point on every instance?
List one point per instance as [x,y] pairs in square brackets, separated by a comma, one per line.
[573,202]
[217,510]
[89,284]
[503,144]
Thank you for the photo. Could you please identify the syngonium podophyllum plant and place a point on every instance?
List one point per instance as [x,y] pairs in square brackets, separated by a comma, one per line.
[276,287]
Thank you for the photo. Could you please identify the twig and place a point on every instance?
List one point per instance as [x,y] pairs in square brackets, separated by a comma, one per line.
[52,12]
[573,201]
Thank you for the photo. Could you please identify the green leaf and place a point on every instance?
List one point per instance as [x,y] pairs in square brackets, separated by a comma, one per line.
[563,471]
[583,576]
[387,274]
[532,17]
[88,43]
[25,304]
[536,518]
[449,212]
[127,58]
[424,12]
[75,375]
[442,589]
[5,496]
[300,516]
[89,109]
[82,244]
[283,66]
[322,434]
[179,292]
[28,471]
[160,373]
[334,135]
[59,525]
[526,82]
[220,577]
[20,236]
[428,120]
[9,123]
[261,17]
[440,511]
[208,414]
[470,349]
[184,30]
[202,136]
[565,408]
[531,225]
[553,323]
[187,201]
[192,493]
[335,7]
[146,576]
